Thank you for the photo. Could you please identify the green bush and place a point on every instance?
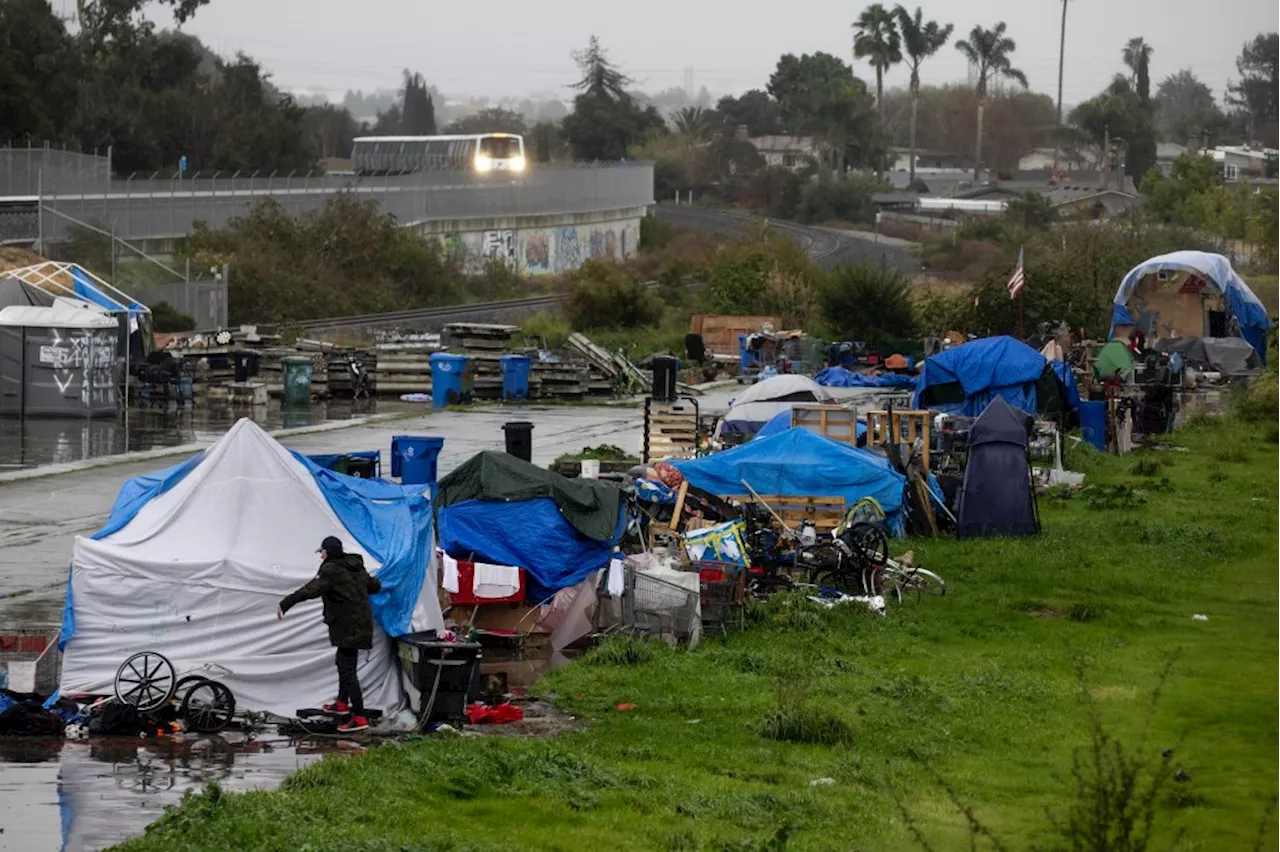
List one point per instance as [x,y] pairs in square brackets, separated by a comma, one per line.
[764,274]
[167,318]
[620,651]
[866,302]
[846,200]
[655,234]
[604,295]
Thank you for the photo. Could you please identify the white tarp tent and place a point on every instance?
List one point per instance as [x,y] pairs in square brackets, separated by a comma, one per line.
[759,403]
[196,573]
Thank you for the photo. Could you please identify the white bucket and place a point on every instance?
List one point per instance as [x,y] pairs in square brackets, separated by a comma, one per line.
[22,675]
[590,468]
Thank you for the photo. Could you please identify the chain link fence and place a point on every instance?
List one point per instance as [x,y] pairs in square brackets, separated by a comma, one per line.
[22,170]
[154,208]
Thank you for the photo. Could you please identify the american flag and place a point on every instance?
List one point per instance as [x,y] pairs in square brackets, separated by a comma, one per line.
[1017,279]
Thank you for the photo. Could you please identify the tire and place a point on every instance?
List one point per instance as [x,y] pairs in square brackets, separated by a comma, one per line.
[145,680]
[208,707]
[924,582]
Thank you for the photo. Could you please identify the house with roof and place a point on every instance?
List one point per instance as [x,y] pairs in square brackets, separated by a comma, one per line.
[790,152]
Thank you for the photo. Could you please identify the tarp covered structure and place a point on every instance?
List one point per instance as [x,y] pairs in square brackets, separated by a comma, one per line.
[766,398]
[193,561]
[1227,355]
[499,509]
[839,377]
[964,379]
[1241,302]
[799,463]
[997,496]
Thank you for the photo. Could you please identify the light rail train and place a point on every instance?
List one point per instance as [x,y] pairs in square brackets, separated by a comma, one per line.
[396,155]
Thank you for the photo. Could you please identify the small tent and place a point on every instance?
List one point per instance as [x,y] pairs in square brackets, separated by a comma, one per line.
[193,561]
[766,398]
[1189,294]
[499,509]
[799,463]
[963,379]
[997,496]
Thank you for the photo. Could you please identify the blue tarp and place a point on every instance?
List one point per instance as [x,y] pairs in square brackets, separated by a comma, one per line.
[89,292]
[529,533]
[781,422]
[984,368]
[1070,390]
[1242,303]
[839,377]
[392,523]
[798,463]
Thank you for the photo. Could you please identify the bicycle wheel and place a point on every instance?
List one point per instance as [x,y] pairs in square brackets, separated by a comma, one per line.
[869,543]
[208,707]
[923,582]
[145,680]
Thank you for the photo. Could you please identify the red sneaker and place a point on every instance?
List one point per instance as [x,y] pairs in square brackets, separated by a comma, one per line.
[337,707]
[355,723]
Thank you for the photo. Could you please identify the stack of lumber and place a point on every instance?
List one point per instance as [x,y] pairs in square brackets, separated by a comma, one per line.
[212,358]
[611,368]
[401,367]
[485,343]
[564,380]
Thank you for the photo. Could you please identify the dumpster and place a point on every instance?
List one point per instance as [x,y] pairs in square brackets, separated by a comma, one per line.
[519,435]
[664,378]
[449,669]
[451,379]
[414,457]
[1093,424]
[515,376]
[246,365]
[297,371]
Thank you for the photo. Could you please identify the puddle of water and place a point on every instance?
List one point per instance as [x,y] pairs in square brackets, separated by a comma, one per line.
[75,796]
[44,441]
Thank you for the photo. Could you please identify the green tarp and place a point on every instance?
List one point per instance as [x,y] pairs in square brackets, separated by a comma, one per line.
[1114,356]
[591,506]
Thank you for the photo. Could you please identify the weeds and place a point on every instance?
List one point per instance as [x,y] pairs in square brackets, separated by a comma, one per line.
[620,651]
[1146,466]
[1231,454]
[795,721]
[1114,497]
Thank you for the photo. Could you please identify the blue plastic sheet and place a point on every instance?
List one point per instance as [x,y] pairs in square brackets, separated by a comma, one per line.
[799,463]
[531,534]
[839,377]
[985,368]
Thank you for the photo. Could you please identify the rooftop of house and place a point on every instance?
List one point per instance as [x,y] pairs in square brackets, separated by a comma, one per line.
[798,144]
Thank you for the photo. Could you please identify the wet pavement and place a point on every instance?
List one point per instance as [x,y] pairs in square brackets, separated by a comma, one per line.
[90,794]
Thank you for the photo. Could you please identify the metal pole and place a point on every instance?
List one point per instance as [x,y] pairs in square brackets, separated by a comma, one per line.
[40,212]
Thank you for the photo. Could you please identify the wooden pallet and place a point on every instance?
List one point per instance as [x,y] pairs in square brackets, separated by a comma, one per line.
[826,513]
[670,430]
[837,422]
[900,427]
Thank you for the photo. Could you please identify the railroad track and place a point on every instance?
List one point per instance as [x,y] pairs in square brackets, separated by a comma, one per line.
[449,313]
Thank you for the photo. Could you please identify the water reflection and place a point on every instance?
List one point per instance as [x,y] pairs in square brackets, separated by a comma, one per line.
[91,794]
[37,442]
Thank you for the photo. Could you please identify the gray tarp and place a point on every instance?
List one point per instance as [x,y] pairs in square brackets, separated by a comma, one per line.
[1227,355]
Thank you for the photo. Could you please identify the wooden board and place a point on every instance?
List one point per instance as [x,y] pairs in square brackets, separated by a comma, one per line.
[837,422]
[904,427]
[670,430]
[720,331]
[826,513]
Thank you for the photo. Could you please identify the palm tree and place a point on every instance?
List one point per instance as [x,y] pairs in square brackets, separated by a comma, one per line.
[1136,52]
[876,40]
[988,53]
[920,40]
[693,123]
[1062,54]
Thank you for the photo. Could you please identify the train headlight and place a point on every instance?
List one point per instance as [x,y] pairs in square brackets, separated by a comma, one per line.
[483,163]
[517,164]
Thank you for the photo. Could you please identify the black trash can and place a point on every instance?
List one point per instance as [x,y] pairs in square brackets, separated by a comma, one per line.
[358,466]
[519,435]
[450,669]
[664,378]
[246,365]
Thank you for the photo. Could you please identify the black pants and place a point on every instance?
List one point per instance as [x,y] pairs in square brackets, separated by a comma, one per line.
[348,682]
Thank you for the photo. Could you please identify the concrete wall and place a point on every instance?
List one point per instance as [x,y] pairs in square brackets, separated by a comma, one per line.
[541,245]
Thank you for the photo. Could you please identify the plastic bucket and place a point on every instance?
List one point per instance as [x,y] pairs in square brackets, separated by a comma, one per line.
[414,458]
[515,376]
[1093,424]
[590,469]
[451,379]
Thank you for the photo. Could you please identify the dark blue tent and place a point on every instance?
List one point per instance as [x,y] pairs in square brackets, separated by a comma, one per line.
[964,379]
[997,497]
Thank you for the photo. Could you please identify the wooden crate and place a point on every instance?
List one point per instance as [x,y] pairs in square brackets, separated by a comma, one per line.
[904,427]
[670,430]
[837,422]
[826,513]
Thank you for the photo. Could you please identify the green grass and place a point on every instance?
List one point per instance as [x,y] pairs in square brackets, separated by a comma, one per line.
[973,700]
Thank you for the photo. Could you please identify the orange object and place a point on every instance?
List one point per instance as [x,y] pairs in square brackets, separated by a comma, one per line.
[895,362]
[626,707]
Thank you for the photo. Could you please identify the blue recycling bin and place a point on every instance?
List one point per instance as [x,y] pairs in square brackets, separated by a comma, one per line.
[1093,424]
[414,458]
[451,379]
[515,376]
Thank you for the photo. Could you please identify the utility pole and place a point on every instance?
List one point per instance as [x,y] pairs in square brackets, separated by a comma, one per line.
[1062,53]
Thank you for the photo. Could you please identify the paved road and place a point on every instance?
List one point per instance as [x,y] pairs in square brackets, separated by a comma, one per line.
[40,517]
[828,247]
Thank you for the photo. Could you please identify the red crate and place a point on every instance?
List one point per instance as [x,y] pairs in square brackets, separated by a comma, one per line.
[465,596]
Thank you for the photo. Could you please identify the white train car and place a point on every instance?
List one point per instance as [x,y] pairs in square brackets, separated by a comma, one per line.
[394,155]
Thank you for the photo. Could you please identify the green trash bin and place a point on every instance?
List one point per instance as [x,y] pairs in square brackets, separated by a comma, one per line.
[297,380]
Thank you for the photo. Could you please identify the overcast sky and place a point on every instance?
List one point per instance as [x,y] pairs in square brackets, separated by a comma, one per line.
[517,48]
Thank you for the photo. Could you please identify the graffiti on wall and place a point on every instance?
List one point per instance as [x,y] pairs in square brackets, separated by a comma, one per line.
[87,359]
[568,250]
[499,245]
[537,252]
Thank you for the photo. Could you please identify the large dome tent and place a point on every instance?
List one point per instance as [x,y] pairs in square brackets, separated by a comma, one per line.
[765,399]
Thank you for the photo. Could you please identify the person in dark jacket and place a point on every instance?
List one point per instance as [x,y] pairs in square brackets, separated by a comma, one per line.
[344,586]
